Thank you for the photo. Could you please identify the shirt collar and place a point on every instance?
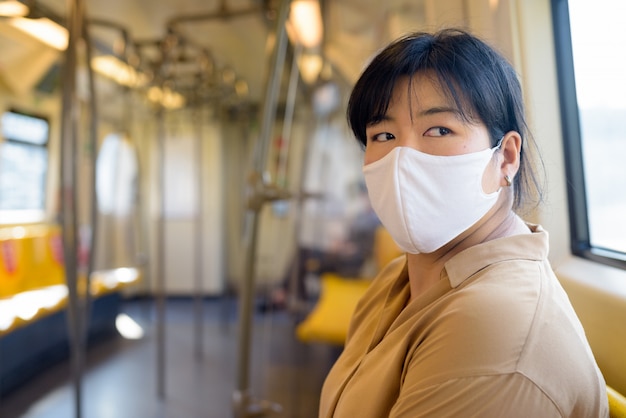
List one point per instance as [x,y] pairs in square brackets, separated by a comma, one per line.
[532,246]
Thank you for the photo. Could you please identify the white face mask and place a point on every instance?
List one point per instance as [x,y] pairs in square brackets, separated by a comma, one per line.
[425,200]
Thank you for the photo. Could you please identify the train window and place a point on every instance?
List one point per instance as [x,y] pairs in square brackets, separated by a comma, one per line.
[116,171]
[589,38]
[23,167]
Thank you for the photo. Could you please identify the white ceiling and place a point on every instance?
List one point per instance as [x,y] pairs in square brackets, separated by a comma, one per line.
[354,29]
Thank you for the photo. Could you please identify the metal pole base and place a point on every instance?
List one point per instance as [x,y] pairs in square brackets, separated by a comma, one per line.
[245,406]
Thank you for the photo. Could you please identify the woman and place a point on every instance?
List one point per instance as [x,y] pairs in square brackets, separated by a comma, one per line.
[472,322]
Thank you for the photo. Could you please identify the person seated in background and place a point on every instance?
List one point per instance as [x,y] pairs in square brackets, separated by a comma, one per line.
[472,322]
[350,256]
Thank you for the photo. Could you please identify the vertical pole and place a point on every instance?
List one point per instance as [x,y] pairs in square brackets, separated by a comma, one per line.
[293,300]
[199,230]
[68,203]
[160,279]
[242,399]
[93,149]
[281,174]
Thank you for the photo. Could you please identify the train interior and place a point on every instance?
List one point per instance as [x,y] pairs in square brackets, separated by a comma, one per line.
[186,231]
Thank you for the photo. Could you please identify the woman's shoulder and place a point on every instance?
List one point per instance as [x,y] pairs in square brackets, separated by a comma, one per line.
[499,304]
[495,310]
[509,318]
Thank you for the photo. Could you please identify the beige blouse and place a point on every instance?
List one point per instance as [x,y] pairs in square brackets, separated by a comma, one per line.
[495,337]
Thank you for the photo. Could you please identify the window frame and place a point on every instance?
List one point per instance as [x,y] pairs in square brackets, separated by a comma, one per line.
[580,239]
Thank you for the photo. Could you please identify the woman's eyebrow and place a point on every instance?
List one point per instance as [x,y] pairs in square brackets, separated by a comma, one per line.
[375,120]
[439,109]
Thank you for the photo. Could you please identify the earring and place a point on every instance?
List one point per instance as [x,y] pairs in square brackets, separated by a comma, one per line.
[508,180]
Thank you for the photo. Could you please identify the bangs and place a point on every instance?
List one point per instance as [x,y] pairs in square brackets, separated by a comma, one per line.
[370,100]
[415,55]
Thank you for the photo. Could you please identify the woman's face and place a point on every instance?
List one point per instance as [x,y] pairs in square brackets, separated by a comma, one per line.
[428,122]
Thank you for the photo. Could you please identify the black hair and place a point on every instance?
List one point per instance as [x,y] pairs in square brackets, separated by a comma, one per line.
[482,84]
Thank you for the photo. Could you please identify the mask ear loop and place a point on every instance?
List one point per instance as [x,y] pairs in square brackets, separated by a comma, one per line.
[507,178]
[494,149]
[499,144]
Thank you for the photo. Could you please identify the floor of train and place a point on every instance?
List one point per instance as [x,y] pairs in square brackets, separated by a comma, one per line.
[120,378]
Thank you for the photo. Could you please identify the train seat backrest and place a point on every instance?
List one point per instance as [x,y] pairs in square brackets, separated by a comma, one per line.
[31,257]
[617,403]
[329,320]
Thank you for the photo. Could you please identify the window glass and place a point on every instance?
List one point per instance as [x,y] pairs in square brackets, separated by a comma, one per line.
[23,167]
[22,176]
[597,37]
[116,172]
[24,128]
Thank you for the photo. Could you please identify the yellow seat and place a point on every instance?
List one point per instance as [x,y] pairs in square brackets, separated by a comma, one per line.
[329,320]
[31,257]
[617,403]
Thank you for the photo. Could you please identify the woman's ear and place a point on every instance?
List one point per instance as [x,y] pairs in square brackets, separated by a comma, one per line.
[509,165]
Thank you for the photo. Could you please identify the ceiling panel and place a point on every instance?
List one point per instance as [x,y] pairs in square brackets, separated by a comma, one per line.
[355,30]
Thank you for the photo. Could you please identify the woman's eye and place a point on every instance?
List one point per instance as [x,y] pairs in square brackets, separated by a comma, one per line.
[437,131]
[382,137]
